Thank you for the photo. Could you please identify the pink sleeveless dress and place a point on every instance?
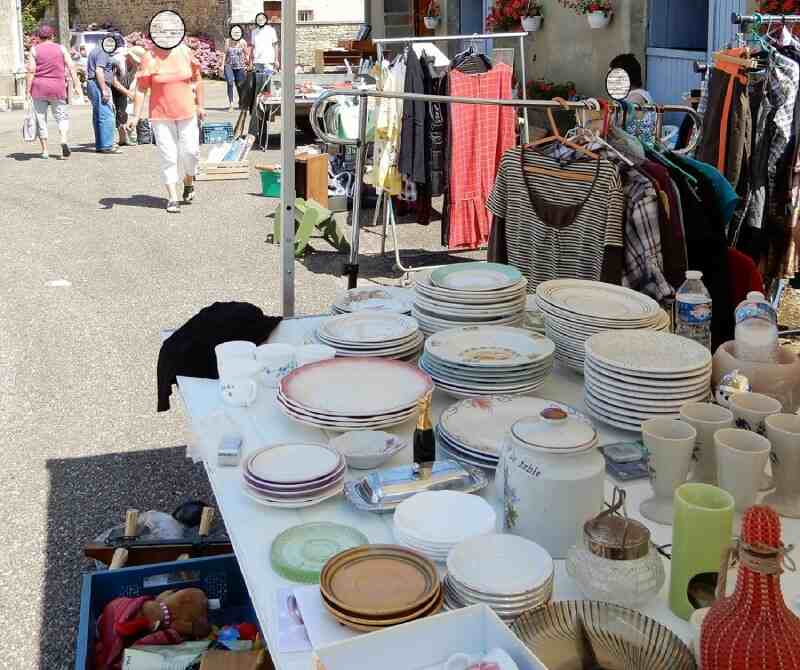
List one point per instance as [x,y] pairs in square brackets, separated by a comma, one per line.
[49,82]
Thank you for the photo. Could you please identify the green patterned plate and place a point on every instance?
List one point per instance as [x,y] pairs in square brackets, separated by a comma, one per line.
[476,276]
[300,552]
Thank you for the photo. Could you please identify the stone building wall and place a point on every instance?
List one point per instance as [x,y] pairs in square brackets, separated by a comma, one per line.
[312,36]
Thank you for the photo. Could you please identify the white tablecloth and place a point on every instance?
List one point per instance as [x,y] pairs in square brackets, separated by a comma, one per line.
[252,527]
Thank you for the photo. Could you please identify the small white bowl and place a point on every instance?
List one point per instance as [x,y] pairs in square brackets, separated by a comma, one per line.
[367,449]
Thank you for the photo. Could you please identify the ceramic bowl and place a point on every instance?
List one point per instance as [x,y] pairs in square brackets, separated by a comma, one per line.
[367,449]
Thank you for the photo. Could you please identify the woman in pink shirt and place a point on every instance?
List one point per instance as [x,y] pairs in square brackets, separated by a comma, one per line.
[173,79]
[48,66]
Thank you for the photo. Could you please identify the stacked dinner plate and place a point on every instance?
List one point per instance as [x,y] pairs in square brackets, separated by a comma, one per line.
[379,334]
[293,475]
[643,375]
[433,522]
[469,294]
[346,394]
[370,299]
[485,361]
[376,586]
[472,431]
[509,574]
[576,309]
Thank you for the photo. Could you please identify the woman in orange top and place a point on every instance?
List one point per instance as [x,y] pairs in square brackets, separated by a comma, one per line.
[176,102]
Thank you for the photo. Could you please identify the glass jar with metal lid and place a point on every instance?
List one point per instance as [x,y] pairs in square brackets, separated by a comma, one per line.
[616,561]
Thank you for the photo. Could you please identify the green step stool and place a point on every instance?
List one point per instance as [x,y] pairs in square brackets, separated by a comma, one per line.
[309,217]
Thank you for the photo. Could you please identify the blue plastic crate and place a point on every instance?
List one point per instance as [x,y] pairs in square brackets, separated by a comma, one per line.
[218,576]
[217,133]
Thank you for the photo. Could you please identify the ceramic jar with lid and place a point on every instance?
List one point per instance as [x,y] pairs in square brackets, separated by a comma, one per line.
[616,562]
[553,477]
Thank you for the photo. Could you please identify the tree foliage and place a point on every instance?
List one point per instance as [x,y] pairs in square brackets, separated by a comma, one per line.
[32,13]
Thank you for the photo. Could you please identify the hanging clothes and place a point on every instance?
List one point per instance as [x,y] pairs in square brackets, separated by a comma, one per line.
[435,83]
[480,135]
[412,161]
[551,227]
[385,173]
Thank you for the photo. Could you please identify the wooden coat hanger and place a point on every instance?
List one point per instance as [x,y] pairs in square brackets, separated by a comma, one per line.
[558,137]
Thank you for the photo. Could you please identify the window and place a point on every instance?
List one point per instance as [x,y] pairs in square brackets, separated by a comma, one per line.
[305,15]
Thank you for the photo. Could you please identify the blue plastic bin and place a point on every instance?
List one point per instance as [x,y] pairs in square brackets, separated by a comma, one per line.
[217,133]
[218,576]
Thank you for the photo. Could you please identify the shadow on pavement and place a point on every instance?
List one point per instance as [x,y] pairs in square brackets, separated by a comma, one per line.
[87,496]
[148,201]
[25,157]
[376,266]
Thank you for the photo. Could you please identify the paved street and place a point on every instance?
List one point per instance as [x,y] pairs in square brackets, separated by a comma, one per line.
[93,267]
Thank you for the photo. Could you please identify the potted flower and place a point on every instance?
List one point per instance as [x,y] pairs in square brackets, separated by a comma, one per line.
[532,16]
[432,15]
[599,13]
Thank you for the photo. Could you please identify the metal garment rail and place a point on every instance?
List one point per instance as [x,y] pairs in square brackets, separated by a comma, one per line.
[351,268]
[741,19]
[465,38]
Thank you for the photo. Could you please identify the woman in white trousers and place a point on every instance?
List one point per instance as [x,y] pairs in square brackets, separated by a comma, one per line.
[172,78]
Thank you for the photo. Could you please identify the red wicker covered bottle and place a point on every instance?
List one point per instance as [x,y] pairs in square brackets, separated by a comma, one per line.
[753,628]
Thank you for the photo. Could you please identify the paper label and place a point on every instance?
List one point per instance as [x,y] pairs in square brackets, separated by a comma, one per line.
[694,312]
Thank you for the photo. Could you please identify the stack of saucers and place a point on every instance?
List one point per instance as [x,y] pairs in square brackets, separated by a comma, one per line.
[473,431]
[293,475]
[375,586]
[433,522]
[644,375]
[486,361]
[370,299]
[344,394]
[469,294]
[509,574]
[373,334]
[576,309]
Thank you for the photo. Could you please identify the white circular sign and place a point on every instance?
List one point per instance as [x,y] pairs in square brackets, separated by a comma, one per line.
[261,19]
[109,44]
[167,29]
[618,83]
[236,33]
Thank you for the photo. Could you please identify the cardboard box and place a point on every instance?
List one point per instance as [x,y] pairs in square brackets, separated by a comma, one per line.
[429,642]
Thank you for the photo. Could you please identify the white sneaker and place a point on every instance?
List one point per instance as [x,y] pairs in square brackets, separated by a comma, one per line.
[45,154]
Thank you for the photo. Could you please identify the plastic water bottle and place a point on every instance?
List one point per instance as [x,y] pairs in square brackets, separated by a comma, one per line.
[693,309]
[756,330]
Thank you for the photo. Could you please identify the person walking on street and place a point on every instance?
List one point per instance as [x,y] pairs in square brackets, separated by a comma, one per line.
[99,76]
[123,87]
[234,63]
[265,49]
[172,78]
[48,66]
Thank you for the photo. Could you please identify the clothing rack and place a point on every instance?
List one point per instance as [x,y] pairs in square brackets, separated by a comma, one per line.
[351,267]
[744,19]
[379,42]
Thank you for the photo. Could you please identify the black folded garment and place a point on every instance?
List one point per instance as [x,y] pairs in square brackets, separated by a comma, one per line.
[189,351]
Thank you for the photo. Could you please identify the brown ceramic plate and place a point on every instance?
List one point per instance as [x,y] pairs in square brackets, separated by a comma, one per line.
[379,581]
[379,624]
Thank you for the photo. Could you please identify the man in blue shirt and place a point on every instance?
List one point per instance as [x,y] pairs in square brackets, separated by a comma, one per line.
[99,76]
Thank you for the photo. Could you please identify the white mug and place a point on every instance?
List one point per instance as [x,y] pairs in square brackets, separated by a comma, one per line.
[750,411]
[706,418]
[783,432]
[231,351]
[238,385]
[313,353]
[276,361]
[670,444]
[741,457]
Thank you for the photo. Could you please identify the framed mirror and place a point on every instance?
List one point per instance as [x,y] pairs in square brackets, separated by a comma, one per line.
[618,83]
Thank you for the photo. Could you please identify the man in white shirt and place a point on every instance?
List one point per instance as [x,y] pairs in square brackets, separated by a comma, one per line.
[265,49]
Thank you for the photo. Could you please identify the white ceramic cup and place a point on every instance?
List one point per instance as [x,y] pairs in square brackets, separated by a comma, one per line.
[706,418]
[741,457]
[669,443]
[313,353]
[783,432]
[750,411]
[276,361]
[237,383]
[235,349]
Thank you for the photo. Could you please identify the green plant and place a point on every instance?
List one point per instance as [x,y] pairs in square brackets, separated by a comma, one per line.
[32,13]
[506,15]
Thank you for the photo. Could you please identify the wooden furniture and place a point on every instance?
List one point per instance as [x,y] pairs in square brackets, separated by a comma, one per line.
[223,170]
[311,177]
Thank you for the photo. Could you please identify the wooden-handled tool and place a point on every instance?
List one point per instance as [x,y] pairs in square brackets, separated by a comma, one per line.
[206,519]
[131,521]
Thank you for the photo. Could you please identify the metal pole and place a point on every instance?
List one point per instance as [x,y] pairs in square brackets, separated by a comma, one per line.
[351,268]
[63,22]
[287,155]
[445,38]
[523,73]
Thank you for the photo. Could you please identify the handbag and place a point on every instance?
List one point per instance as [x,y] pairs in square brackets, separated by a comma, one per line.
[29,126]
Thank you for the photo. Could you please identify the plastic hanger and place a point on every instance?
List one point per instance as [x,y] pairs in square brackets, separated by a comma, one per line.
[558,137]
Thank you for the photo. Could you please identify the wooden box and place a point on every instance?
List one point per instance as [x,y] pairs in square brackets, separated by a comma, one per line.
[311,177]
[223,170]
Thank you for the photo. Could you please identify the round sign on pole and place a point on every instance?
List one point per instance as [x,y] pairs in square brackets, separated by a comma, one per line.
[618,83]
[109,44]
[235,33]
[167,29]
[261,19]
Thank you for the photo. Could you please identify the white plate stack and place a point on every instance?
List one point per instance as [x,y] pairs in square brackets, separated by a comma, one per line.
[509,574]
[378,334]
[371,299]
[469,294]
[486,361]
[576,309]
[473,431]
[433,522]
[294,475]
[344,394]
[643,375]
